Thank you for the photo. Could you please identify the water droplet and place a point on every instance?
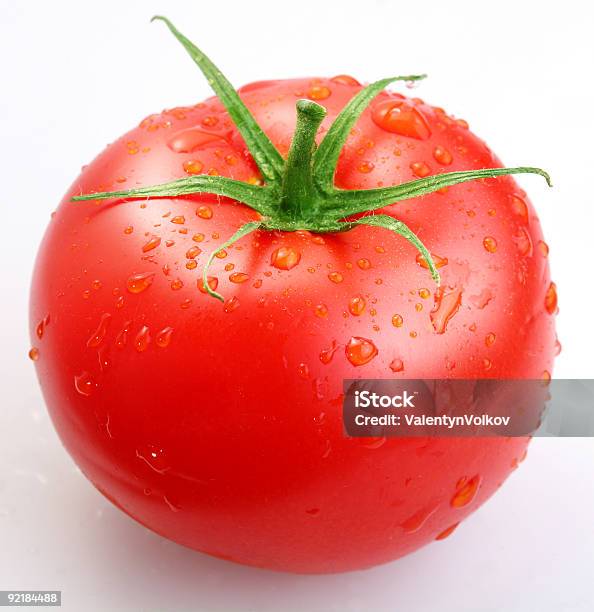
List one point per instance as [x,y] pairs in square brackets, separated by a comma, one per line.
[546,377]
[198,237]
[420,169]
[401,117]
[321,311]
[231,305]
[238,277]
[318,92]
[178,220]
[523,242]
[193,252]
[482,299]
[557,347]
[204,212]
[191,139]
[437,260]
[285,258]
[142,339]
[397,365]
[99,334]
[543,247]
[360,351]
[442,155]
[327,354]
[84,384]
[551,299]
[446,532]
[153,243]
[490,339]
[365,167]
[34,354]
[364,264]
[122,337]
[519,207]
[357,305]
[163,338]
[128,230]
[397,320]
[490,244]
[40,329]
[303,370]
[345,79]
[139,282]
[414,523]
[424,293]
[213,283]
[446,306]
[465,491]
[154,457]
[193,166]
[335,277]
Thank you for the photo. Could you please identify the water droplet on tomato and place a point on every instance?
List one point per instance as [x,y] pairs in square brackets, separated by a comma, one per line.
[557,347]
[99,334]
[231,305]
[178,220]
[490,339]
[321,311]
[327,354]
[397,365]
[466,491]
[84,384]
[153,243]
[420,169]
[482,299]
[442,155]
[188,140]
[401,117]
[238,277]
[345,79]
[551,299]
[446,532]
[193,166]
[523,242]
[414,523]
[285,258]
[357,305]
[397,320]
[519,207]
[122,337]
[335,277]
[360,351]
[490,244]
[364,264]
[446,306]
[34,354]
[142,339]
[193,252]
[318,92]
[213,283]
[163,338]
[365,167]
[543,247]
[437,260]
[204,212]
[139,282]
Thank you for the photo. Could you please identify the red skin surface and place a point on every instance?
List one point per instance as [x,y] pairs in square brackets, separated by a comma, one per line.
[229,439]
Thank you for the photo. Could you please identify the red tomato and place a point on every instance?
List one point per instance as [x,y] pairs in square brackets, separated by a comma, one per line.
[219,425]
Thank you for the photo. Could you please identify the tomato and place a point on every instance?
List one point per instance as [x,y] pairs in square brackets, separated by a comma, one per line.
[219,426]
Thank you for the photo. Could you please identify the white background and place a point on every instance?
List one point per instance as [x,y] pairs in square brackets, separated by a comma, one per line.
[76,75]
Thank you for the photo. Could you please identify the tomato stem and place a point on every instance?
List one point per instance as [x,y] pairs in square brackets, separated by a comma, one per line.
[300,199]
[299,192]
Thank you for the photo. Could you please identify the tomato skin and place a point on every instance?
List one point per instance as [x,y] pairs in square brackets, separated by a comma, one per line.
[229,438]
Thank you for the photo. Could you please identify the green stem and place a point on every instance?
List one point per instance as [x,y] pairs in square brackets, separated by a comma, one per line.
[299,193]
[299,196]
